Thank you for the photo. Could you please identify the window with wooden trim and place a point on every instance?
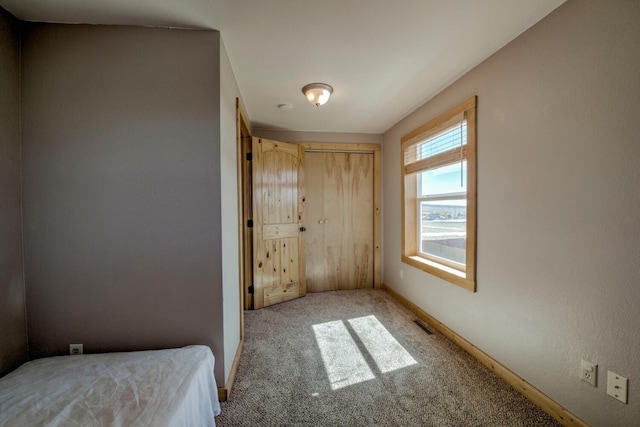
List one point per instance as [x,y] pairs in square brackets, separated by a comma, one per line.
[439,196]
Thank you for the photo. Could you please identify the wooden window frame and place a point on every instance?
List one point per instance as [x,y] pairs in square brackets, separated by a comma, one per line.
[410,254]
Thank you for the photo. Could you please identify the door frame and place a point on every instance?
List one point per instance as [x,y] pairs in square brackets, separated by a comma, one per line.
[245,200]
[245,208]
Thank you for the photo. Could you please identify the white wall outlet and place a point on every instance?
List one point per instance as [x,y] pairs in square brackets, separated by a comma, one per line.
[589,372]
[401,273]
[617,386]
[75,349]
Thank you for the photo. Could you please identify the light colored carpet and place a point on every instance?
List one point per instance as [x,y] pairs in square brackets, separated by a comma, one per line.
[356,358]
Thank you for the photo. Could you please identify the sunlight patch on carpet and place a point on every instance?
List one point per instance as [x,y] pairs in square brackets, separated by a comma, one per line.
[344,362]
[385,350]
[342,359]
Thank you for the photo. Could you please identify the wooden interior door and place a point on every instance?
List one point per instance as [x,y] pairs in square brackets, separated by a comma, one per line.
[278,219]
[339,190]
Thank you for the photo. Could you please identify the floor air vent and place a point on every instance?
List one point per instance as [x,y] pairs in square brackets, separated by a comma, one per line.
[423,326]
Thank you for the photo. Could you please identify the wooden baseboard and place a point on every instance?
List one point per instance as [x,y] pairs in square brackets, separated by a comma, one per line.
[225,392]
[561,414]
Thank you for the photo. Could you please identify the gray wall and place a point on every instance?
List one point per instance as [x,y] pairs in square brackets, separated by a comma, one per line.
[121,158]
[13,329]
[558,207]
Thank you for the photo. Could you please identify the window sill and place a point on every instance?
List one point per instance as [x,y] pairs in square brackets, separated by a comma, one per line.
[444,272]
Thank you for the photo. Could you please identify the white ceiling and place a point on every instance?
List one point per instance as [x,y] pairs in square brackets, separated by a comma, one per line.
[384,58]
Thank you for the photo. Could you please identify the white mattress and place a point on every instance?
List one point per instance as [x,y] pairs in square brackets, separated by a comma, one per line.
[173,387]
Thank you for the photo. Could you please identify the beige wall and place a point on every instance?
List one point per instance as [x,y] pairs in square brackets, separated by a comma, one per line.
[333,137]
[13,331]
[558,262]
[122,216]
[229,204]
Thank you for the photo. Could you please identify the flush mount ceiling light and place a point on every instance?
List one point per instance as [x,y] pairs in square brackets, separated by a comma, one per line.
[317,93]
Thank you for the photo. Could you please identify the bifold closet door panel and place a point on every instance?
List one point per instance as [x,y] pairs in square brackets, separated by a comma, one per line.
[361,219]
[316,268]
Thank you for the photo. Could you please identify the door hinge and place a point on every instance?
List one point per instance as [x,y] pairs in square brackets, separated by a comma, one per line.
[251,289]
[249,156]
[250,223]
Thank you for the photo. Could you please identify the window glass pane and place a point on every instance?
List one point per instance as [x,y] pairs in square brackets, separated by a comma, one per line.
[443,180]
[443,229]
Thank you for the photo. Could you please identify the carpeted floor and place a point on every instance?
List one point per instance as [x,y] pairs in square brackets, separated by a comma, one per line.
[356,358]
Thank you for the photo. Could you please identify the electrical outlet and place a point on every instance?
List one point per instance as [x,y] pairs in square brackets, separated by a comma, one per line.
[617,386]
[589,372]
[75,349]
[401,273]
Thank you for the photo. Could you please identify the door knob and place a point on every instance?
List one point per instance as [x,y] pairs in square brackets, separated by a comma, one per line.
[303,229]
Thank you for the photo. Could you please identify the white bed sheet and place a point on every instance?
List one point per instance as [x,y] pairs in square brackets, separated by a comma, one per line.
[174,387]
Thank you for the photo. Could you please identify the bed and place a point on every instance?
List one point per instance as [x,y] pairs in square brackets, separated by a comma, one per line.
[173,387]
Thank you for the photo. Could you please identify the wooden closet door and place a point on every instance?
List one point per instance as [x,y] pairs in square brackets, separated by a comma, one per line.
[339,208]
